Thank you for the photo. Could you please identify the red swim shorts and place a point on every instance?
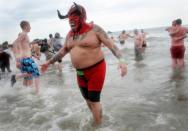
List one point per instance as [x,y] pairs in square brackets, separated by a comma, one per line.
[177,52]
[91,80]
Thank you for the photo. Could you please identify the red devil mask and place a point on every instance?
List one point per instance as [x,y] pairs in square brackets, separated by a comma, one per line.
[77,20]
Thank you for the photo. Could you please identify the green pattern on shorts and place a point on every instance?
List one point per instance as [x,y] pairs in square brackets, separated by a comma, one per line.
[80,73]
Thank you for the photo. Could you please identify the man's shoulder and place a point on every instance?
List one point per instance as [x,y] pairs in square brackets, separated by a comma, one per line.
[97,28]
[22,36]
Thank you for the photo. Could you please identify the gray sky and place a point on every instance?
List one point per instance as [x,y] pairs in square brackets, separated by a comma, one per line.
[112,15]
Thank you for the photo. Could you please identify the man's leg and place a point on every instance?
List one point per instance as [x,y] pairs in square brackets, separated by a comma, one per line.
[95,105]
[173,52]
[29,82]
[84,92]
[96,109]
[89,104]
[22,75]
[8,67]
[3,69]
[37,82]
[174,63]
[14,78]
[181,63]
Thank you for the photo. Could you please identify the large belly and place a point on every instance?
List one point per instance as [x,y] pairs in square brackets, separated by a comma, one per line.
[83,57]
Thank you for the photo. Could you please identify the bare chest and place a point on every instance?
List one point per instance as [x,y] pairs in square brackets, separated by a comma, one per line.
[86,40]
[123,36]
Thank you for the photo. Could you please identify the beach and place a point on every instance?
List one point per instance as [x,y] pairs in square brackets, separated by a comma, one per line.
[151,97]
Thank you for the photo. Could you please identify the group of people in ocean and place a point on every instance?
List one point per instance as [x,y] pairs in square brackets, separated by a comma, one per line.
[83,42]
[141,36]
[139,41]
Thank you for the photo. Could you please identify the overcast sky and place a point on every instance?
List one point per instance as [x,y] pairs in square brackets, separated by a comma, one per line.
[112,15]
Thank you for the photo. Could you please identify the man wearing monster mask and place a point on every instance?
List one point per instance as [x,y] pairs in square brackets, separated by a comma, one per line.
[83,42]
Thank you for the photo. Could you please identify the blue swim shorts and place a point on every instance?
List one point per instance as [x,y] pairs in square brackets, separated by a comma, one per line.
[29,66]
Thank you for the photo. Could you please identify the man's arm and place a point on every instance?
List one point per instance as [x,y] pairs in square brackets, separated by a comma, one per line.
[173,31]
[179,38]
[168,29]
[128,35]
[61,53]
[103,37]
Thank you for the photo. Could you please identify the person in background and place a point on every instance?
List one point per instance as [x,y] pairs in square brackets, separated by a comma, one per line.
[50,40]
[122,37]
[57,45]
[35,50]
[144,45]
[8,55]
[177,33]
[4,60]
[138,41]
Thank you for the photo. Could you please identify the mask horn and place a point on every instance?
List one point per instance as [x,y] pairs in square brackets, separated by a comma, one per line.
[77,7]
[61,16]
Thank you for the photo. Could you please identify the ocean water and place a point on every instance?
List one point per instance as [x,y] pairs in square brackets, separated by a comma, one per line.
[151,97]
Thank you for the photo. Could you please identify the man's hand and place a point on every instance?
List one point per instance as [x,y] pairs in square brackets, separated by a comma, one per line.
[44,67]
[123,68]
